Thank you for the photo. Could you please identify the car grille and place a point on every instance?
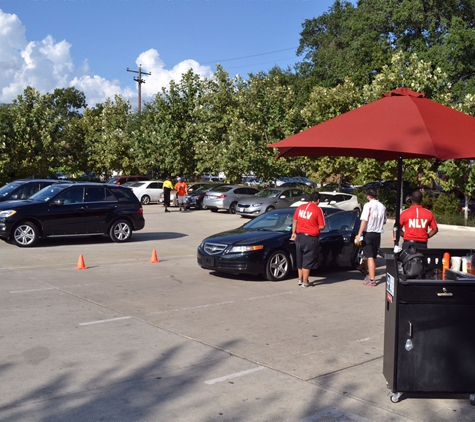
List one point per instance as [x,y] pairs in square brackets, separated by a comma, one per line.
[214,248]
[243,206]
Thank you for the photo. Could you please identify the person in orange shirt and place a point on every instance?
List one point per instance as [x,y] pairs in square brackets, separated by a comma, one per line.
[181,192]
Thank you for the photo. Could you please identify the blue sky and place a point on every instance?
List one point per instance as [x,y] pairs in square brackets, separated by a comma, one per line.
[90,44]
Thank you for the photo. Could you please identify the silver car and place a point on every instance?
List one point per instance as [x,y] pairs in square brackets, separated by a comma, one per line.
[227,197]
[268,200]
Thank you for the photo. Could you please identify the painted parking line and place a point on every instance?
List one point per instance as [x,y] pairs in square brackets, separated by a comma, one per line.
[32,290]
[228,302]
[104,320]
[236,375]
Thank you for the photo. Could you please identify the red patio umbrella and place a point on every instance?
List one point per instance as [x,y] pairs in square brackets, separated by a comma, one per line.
[402,124]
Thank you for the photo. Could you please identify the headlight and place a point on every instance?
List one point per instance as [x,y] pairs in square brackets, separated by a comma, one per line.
[246,248]
[7,213]
[257,205]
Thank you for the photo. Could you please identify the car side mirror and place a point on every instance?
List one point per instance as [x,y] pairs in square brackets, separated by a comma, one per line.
[333,202]
[282,197]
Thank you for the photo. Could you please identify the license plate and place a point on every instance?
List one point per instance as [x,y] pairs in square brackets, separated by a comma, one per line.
[241,209]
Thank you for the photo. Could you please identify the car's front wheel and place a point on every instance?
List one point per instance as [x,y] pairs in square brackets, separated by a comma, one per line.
[145,200]
[120,231]
[232,208]
[25,234]
[270,208]
[277,266]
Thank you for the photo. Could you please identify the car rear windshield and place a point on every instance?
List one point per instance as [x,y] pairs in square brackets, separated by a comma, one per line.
[123,194]
[222,189]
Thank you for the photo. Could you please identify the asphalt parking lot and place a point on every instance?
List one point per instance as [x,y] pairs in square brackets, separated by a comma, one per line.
[130,340]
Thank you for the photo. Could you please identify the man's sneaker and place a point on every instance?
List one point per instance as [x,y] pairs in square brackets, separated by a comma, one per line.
[305,285]
[300,282]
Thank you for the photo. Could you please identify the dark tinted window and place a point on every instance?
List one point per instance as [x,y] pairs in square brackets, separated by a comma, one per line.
[95,194]
[222,189]
[339,221]
[8,189]
[72,196]
[124,194]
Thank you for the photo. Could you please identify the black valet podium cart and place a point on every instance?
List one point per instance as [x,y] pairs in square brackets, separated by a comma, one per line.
[429,330]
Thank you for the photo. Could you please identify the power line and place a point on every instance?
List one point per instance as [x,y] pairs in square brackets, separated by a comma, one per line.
[253,55]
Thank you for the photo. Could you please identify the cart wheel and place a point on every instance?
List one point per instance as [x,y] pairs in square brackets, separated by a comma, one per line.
[394,396]
[472,399]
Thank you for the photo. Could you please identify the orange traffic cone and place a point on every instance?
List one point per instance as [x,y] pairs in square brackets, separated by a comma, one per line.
[154,258]
[81,265]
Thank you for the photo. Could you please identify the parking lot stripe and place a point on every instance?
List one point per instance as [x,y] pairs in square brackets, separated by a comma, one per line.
[104,320]
[236,375]
[32,290]
[230,302]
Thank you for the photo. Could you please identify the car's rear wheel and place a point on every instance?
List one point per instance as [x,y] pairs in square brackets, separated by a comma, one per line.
[232,208]
[277,266]
[271,208]
[213,209]
[25,234]
[120,231]
[145,200]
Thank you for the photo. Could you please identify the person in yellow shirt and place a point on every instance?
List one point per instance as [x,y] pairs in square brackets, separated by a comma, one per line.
[167,188]
[181,192]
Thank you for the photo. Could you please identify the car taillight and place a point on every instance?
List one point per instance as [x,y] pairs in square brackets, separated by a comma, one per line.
[222,196]
[139,211]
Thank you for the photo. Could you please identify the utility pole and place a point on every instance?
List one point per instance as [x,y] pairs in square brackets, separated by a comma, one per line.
[140,81]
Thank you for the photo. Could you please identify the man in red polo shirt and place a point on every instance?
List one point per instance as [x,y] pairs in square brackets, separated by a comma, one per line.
[415,223]
[306,225]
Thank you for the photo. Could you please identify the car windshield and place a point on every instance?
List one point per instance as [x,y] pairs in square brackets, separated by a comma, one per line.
[45,194]
[272,221]
[135,184]
[268,193]
[204,188]
[7,189]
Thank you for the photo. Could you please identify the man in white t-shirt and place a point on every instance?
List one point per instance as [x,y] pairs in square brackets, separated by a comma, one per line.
[373,218]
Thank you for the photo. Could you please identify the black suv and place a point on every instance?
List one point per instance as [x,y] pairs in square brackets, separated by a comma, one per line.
[24,188]
[72,209]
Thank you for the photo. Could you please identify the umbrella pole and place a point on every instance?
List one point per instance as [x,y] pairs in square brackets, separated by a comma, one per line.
[396,230]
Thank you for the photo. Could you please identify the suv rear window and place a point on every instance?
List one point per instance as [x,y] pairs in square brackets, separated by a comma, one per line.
[123,194]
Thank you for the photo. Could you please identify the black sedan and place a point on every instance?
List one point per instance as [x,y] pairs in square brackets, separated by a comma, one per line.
[263,245]
[72,209]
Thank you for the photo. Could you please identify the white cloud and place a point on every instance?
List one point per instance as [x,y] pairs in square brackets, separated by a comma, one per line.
[47,64]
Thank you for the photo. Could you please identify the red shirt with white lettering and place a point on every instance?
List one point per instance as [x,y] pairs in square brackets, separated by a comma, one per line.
[416,222]
[309,217]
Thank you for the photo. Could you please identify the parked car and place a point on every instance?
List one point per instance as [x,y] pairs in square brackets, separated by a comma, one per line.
[263,245]
[72,209]
[294,184]
[195,198]
[61,176]
[173,198]
[147,191]
[24,188]
[338,187]
[268,200]
[119,180]
[227,197]
[306,181]
[337,200]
